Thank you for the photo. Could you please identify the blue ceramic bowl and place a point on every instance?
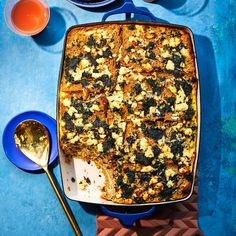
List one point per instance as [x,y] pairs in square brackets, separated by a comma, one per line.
[9,146]
[91,4]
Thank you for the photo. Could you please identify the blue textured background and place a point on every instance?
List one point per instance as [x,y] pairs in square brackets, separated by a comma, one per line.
[29,70]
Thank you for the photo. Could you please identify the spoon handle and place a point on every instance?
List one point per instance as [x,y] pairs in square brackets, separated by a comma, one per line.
[64,203]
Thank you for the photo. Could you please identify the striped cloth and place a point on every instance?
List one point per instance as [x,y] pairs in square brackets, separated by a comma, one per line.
[177,219]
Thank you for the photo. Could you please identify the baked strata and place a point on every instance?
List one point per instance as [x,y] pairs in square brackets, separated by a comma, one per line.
[128,102]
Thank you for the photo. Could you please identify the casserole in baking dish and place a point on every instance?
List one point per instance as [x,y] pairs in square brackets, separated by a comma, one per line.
[128,101]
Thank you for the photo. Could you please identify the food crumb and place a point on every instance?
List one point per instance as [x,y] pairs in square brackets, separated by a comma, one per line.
[83,184]
[87,180]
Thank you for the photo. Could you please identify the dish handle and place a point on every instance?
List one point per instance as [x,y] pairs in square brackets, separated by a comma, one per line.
[128,219]
[128,7]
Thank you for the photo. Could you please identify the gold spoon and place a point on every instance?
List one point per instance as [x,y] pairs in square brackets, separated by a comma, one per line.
[31,137]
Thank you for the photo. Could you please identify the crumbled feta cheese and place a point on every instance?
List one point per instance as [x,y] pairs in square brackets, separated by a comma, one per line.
[149,152]
[169,173]
[118,88]
[170,184]
[170,65]
[153,180]
[139,77]
[143,144]
[91,142]
[184,52]
[182,64]
[100,147]
[94,107]
[66,102]
[136,121]
[100,60]
[78,115]
[139,28]
[152,110]
[74,140]
[174,42]
[188,131]
[151,191]
[122,125]
[114,135]
[100,130]
[77,74]
[120,78]
[83,184]
[88,126]
[175,116]
[71,111]
[141,52]
[165,54]
[180,96]
[132,159]
[132,38]
[116,100]
[188,152]
[141,113]
[119,141]
[123,70]
[70,135]
[167,151]
[139,97]
[126,149]
[84,63]
[79,122]
[86,48]
[134,105]
[165,42]
[147,169]
[181,107]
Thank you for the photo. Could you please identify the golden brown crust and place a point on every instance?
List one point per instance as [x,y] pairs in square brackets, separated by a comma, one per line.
[128,101]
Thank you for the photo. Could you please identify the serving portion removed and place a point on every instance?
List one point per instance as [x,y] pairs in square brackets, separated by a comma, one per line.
[128,102]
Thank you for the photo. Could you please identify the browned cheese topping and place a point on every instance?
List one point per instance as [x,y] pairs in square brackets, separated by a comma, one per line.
[128,102]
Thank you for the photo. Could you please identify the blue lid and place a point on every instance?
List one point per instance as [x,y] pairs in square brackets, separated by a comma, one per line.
[9,146]
[91,4]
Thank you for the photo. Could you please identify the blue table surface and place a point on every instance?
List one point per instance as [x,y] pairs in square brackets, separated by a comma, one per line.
[29,68]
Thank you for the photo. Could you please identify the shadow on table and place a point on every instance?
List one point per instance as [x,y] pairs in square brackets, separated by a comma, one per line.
[54,30]
[106,8]
[184,7]
[179,7]
[138,17]
[89,208]
[170,4]
[53,34]
[211,140]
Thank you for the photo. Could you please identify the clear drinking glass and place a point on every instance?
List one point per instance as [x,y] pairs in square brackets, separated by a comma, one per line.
[20,15]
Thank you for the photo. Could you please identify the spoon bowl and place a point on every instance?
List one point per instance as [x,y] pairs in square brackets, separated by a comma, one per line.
[32,138]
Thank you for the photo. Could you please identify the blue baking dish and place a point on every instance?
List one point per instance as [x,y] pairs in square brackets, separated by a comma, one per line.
[75,168]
